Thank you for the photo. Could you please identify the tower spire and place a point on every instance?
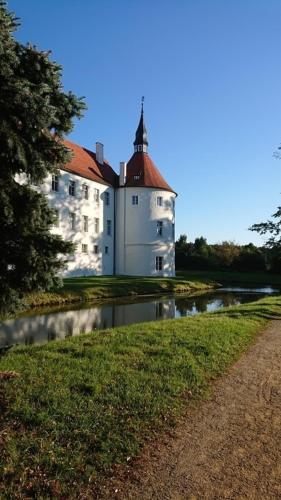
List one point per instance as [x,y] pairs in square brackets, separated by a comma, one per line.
[141,142]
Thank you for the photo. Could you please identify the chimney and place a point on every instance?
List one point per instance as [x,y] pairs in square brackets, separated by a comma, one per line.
[99,152]
[123,173]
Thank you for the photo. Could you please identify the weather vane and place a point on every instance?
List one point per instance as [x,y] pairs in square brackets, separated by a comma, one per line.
[142,101]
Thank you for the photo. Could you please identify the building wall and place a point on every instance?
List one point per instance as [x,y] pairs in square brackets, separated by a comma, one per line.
[133,248]
[84,263]
[137,240]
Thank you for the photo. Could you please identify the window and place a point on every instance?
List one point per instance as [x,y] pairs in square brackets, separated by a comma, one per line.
[84,248]
[159,201]
[72,220]
[108,227]
[97,225]
[55,182]
[159,309]
[57,218]
[106,250]
[159,228]
[85,190]
[107,198]
[71,188]
[173,231]
[96,195]
[136,177]
[173,204]
[96,249]
[159,263]
[85,223]
[135,199]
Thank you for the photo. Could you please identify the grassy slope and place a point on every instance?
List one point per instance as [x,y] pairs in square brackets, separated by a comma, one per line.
[231,277]
[100,287]
[83,404]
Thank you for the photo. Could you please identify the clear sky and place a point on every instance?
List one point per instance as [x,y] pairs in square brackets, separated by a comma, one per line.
[211,75]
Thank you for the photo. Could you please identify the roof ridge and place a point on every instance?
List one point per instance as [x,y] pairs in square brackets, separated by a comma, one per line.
[85,164]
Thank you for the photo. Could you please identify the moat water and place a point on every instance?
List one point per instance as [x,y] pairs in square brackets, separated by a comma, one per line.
[59,323]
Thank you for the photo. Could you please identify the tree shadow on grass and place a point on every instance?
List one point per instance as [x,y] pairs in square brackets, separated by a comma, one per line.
[259,310]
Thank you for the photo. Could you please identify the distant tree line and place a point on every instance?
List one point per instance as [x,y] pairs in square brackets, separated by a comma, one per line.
[225,256]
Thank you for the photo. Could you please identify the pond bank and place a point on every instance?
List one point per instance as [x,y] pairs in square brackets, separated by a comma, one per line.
[256,278]
[75,408]
[104,287]
[58,322]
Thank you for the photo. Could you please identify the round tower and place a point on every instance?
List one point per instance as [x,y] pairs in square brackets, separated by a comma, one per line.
[145,215]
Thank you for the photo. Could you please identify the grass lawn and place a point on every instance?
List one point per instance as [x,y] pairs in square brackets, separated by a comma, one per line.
[74,408]
[101,287]
[232,277]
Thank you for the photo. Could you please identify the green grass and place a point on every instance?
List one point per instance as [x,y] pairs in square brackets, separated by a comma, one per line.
[81,405]
[101,287]
[231,277]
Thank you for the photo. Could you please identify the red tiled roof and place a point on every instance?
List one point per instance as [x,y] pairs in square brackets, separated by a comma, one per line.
[149,176]
[84,163]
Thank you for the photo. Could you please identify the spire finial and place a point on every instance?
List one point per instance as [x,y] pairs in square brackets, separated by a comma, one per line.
[141,142]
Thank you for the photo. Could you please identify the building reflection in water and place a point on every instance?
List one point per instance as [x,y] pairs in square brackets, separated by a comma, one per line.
[67,323]
[60,325]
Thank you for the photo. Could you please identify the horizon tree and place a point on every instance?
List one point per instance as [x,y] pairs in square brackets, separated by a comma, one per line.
[35,113]
[273,244]
[272,228]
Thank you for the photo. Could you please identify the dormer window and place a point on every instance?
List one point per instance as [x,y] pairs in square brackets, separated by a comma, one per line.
[140,148]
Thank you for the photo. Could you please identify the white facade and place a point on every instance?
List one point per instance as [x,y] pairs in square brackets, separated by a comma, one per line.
[145,225]
[119,226]
[126,231]
[85,219]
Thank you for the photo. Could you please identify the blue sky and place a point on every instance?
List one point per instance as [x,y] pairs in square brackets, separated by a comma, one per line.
[211,75]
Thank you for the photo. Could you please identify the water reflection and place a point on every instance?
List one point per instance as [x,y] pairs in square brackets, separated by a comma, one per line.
[69,322]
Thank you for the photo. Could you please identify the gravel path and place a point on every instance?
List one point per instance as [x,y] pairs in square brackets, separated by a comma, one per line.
[230,445]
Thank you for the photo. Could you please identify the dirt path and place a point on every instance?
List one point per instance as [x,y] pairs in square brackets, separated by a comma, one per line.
[229,446]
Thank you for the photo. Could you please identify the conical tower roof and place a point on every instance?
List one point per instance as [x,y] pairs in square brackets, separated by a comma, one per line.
[141,171]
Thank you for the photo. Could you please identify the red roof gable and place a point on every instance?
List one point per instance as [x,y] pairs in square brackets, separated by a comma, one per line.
[84,163]
[141,172]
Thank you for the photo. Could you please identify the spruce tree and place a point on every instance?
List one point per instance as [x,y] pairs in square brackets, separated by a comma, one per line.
[35,113]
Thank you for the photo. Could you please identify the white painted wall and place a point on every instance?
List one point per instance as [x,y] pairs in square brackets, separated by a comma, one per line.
[137,241]
[84,263]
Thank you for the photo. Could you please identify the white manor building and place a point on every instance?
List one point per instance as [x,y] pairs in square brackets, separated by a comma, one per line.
[120,224]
